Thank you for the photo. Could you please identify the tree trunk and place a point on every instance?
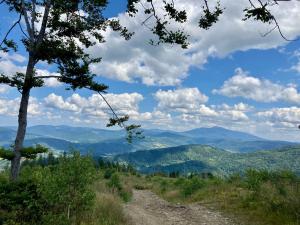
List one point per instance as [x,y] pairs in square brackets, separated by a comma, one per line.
[22,120]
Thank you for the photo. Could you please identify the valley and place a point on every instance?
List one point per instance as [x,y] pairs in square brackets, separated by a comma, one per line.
[205,150]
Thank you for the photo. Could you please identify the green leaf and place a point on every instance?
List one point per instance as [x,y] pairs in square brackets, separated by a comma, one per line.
[6,154]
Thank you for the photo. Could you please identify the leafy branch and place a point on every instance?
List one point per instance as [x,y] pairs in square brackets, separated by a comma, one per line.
[27,152]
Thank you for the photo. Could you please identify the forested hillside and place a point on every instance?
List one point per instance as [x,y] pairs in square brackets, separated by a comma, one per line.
[203,158]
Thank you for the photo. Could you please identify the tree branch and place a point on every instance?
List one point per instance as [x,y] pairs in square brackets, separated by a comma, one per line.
[33,16]
[29,30]
[206,4]
[144,22]
[277,26]
[21,28]
[111,109]
[11,28]
[44,77]
[44,22]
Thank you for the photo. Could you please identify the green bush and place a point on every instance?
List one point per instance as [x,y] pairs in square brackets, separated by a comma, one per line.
[254,178]
[58,194]
[190,186]
[108,173]
[115,183]
[116,186]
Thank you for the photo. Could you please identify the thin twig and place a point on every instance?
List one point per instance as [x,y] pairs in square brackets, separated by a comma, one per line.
[21,28]
[268,32]
[112,110]
[206,4]
[11,28]
[274,19]
[143,23]
[251,3]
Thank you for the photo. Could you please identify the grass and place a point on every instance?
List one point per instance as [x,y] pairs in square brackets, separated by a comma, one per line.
[257,198]
[111,193]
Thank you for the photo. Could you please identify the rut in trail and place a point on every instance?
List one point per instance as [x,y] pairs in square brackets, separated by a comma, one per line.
[147,208]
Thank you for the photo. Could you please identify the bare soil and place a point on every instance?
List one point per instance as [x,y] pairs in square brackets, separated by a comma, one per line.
[146,208]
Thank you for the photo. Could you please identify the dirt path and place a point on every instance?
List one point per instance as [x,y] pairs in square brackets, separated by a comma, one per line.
[147,208]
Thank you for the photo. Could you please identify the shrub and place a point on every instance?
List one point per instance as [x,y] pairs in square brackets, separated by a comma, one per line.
[21,202]
[116,186]
[108,173]
[191,185]
[254,178]
[58,194]
[115,183]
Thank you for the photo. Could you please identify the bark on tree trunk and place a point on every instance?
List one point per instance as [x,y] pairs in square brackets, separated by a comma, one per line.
[22,121]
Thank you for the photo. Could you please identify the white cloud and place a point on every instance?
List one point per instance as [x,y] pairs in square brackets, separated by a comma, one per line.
[136,60]
[126,103]
[10,107]
[237,112]
[9,68]
[12,56]
[49,82]
[296,67]
[239,107]
[249,87]
[10,64]
[58,102]
[287,117]
[181,100]
[3,89]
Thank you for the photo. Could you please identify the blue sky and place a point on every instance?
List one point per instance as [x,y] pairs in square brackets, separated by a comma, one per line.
[230,76]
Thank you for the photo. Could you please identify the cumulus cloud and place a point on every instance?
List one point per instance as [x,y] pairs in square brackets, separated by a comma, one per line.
[237,112]
[10,107]
[249,87]
[93,110]
[49,82]
[287,117]
[136,60]
[12,56]
[9,68]
[126,103]
[181,100]
[296,67]
[10,64]
[3,89]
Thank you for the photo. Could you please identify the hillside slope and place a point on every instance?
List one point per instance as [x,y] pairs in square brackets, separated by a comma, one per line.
[203,158]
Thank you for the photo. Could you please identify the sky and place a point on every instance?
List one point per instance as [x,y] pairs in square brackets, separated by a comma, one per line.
[230,76]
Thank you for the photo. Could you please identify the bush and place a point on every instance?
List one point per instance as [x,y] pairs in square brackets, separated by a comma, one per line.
[115,183]
[190,186]
[58,194]
[21,202]
[116,186]
[254,178]
[108,173]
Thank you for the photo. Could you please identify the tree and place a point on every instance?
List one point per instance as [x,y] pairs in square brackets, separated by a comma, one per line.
[64,29]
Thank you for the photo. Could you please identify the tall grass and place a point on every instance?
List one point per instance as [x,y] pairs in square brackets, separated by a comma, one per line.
[256,198]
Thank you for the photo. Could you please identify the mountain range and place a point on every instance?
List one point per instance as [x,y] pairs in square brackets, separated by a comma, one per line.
[204,158]
[110,142]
